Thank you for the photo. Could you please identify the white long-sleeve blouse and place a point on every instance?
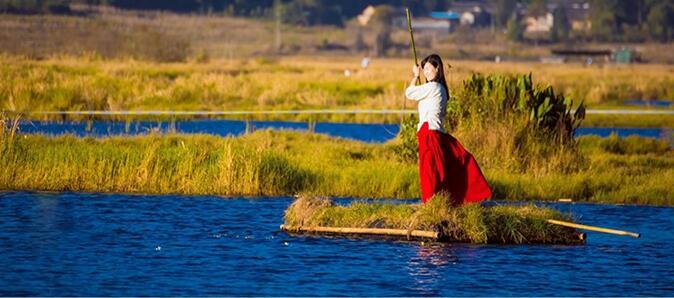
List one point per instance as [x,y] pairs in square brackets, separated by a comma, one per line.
[432,104]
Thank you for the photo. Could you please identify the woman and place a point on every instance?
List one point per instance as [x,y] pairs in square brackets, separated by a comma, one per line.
[444,165]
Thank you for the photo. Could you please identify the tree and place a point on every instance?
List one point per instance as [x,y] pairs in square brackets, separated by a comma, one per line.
[660,21]
[515,28]
[381,23]
[313,12]
[604,24]
[538,8]
[359,43]
[429,5]
[504,9]
[293,13]
[610,19]
[628,12]
[35,6]
[560,25]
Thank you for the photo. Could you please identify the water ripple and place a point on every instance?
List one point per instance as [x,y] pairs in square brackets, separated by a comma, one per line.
[70,244]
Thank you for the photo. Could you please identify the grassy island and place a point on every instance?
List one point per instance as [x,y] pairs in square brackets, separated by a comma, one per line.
[471,223]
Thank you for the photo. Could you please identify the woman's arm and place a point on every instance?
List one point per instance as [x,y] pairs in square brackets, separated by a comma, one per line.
[413,91]
[419,92]
[415,78]
[413,82]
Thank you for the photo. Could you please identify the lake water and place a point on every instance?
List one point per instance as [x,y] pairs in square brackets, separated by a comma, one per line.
[73,244]
[373,133]
[660,103]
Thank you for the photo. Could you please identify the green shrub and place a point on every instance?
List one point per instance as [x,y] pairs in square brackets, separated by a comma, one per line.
[508,122]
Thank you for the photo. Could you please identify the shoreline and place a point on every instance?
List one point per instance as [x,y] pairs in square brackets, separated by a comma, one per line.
[489,203]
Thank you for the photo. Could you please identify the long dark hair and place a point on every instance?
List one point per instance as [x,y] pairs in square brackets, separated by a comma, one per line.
[436,61]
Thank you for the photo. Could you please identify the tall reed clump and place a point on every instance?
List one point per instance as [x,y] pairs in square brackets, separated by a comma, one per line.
[8,129]
[508,122]
[150,164]
[471,223]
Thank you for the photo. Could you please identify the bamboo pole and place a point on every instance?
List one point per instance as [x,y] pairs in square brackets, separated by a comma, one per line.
[593,228]
[414,48]
[363,231]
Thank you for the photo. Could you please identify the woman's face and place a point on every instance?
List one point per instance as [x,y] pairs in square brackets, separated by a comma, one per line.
[430,71]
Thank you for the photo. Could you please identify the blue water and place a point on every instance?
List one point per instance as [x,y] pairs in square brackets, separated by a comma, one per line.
[69,244]
[661,103]
[373,133]
[625,131]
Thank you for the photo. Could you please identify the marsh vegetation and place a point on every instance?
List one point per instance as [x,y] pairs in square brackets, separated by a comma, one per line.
[90,83]
[472,223]
[622,171]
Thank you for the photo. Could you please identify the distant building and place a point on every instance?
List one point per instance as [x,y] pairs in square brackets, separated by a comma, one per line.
[453,18]
[445,15]
[477,17]
[625,55]
[537,24]
[366,15]
[431,24]
[577,12]
[435,23]
[473,13]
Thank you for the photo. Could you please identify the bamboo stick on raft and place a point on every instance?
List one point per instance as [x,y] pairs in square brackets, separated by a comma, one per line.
[363,231]
[593,228]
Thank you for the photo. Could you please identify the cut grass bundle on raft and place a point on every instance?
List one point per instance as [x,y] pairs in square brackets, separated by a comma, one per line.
[472,223]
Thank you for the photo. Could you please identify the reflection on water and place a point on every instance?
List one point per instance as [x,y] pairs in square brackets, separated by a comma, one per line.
[425,268]
[436,254]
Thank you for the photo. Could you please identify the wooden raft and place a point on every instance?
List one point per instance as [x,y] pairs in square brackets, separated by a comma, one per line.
[397,233]
[364,231]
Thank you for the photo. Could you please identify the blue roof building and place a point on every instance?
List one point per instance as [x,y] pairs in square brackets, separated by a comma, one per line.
[446,15]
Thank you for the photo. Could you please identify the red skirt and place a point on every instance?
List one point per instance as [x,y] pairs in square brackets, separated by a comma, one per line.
[444,165]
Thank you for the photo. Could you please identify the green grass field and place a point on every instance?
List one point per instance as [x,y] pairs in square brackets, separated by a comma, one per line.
[284,163]
[270,163]
[81,83]
[144,61]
